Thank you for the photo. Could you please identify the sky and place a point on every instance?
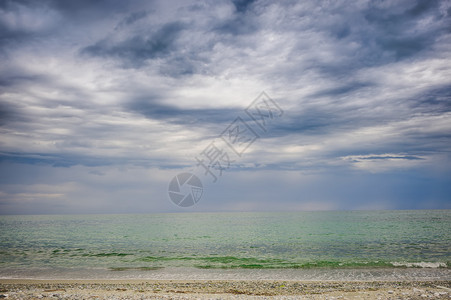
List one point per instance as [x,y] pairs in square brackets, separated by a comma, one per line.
[103,103]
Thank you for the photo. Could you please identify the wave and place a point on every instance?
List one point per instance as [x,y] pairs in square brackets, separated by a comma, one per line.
[232,262]
[422,264]
[135,260]
[79,252]
[106,254]
[135,268]
[327,264]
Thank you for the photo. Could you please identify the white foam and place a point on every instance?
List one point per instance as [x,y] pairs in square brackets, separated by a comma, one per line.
[420,264]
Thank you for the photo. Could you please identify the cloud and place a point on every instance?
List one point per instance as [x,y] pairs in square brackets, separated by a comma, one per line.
[242,22]
[21,22]
[132,18]
[137,49]
[92,87]
[401,29]
[178,115]
[384,162]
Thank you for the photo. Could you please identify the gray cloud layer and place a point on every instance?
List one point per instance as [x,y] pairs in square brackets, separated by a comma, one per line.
[95,86]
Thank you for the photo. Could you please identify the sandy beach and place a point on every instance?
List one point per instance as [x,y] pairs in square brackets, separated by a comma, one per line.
[222,289]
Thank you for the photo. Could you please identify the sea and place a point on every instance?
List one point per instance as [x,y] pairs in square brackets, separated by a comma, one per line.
[335,245]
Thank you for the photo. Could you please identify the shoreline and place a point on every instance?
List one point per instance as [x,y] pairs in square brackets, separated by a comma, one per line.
[181,273]
[213,289]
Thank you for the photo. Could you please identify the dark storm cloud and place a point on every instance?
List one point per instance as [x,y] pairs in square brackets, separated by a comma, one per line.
[137,49]
[70,160]
[88,9]
[8,80]
[12,114]
[381,33]
[242,5]
[318,119]
[6,114]
[132,18]
[393,29]
[338,91]
[311,121]
[171,41]
[39,158]
[243,21]
[177,115]
[14,30]
[240,25]
[435,100]
[408,157]
[375,29]
[9,36]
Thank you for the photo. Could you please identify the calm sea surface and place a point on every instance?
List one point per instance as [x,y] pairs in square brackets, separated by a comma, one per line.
[224,243]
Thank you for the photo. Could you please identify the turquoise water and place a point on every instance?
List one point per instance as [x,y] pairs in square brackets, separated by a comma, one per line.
[225,241]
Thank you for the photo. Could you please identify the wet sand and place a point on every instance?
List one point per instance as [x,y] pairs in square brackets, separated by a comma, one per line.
[222,289]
